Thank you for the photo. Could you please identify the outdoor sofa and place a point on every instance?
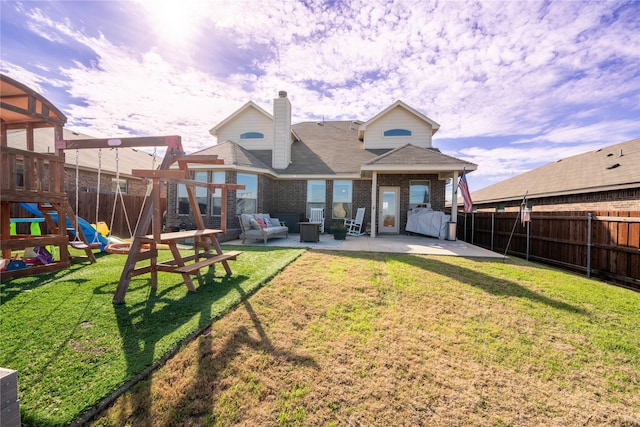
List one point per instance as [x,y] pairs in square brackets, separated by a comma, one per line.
[261,227]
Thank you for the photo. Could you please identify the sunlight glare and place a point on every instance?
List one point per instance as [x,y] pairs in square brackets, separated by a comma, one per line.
[175,22]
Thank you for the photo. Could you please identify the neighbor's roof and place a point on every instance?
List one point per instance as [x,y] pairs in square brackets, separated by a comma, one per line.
[43,142]
[611,168]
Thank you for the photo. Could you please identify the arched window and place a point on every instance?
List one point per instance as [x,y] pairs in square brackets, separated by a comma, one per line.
[252,135]
[397,132]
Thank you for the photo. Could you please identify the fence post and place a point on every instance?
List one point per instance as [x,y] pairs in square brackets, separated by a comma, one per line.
[589,245]
[473,226]
[528,239]
[493,219]
[465,226]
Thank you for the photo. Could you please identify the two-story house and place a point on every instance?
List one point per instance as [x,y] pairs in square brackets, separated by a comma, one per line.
[386,164]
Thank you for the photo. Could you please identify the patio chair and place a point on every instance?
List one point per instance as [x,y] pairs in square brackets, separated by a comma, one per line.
[317,217]
[354,226]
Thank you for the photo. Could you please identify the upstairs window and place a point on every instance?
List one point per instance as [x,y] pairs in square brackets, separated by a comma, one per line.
[397,132]
[252,135]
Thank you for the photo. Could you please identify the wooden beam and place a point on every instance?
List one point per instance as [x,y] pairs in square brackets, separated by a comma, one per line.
[176,176]
[157,173]
[172,141]
[207,159]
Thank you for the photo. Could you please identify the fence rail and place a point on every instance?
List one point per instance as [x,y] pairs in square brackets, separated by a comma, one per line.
[605,245]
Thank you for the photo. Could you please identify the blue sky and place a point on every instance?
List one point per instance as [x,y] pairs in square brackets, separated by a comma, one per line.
[514,84]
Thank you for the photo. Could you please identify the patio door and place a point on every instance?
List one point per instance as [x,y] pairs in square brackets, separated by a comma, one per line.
[389,214]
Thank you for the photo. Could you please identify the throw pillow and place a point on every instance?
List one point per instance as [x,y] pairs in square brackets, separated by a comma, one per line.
[261,223]
[254,224]
[275,222]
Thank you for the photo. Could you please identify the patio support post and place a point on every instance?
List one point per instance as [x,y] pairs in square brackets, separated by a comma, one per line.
[374,185]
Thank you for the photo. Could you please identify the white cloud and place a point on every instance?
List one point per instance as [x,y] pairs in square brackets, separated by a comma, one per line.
[544,73]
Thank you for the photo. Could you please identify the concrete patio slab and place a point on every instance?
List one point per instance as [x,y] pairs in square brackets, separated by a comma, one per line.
[382,243]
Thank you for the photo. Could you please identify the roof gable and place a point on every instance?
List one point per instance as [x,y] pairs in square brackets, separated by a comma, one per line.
[249,105]
[435,126]
[409,156]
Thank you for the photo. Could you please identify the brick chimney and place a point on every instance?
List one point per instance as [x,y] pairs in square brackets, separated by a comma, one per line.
[281,155]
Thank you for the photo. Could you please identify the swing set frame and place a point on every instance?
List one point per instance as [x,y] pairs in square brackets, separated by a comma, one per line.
[144,247]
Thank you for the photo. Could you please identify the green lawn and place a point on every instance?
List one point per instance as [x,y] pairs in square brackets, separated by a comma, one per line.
[336,338]
[374,339]
[72,347]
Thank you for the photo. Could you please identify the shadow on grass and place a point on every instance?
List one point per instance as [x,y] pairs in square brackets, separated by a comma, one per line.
[488,283]
[143,324]
[211,364]
[9,289]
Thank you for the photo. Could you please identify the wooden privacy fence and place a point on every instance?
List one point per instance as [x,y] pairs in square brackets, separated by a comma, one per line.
[605,245]
[87,210]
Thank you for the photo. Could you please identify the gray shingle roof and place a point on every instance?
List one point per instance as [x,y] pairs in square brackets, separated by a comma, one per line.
[411,155]
[584,173]
[328,148]
[333,148]
[233,154]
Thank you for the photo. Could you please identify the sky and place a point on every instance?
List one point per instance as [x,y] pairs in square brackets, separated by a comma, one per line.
[513,84]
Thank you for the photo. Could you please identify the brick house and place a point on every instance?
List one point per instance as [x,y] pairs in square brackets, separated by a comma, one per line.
[386,164]
[607,179]
[88,162]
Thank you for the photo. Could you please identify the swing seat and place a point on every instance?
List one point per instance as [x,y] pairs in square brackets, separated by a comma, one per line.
[118,248]
[123,248]
[78,245]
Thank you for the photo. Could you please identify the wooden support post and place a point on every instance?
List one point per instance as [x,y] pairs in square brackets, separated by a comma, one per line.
[5,227]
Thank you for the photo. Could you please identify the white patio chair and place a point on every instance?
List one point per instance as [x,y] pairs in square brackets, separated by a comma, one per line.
[317,217]
[354,226]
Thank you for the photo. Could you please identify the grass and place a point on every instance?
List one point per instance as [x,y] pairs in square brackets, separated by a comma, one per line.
[380,339]
[72,347]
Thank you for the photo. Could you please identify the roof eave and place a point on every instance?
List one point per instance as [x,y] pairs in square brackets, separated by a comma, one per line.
[420,168]
[560,193]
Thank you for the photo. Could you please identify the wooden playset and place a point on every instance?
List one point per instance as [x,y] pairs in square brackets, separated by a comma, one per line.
[42,184]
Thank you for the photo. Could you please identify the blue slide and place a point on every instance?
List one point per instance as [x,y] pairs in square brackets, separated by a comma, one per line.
[86,227]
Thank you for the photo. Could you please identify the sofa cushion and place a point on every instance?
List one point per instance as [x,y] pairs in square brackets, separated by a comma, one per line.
[254,224]
[246,220]
[275,222]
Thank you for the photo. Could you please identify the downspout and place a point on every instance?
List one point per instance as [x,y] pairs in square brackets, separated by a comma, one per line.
[374,185]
